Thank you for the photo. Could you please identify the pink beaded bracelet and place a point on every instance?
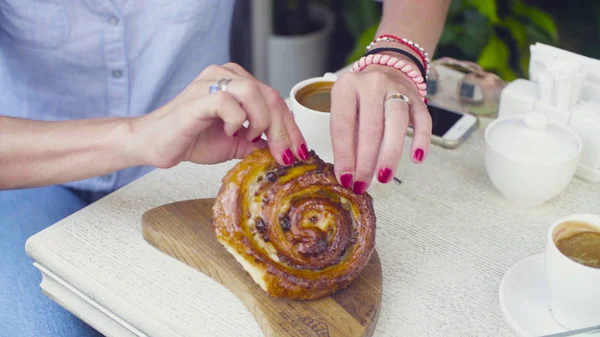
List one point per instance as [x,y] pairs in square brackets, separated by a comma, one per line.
[394,62]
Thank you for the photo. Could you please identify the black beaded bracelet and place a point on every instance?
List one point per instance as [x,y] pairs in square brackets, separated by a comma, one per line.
[403,52]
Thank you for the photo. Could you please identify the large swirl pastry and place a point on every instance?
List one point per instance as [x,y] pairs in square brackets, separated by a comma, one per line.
[295,230]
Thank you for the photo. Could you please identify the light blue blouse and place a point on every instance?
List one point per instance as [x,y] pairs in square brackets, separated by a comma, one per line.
[75,59]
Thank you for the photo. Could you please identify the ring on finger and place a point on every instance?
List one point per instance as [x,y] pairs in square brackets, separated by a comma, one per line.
[221,85]
[397,96]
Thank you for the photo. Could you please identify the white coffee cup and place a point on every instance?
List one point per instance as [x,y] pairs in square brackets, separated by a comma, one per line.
[313,124]
[574,287]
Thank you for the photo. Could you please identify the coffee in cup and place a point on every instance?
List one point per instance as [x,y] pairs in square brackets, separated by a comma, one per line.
[316,96]
[573,270]
[580,242]
[310,101]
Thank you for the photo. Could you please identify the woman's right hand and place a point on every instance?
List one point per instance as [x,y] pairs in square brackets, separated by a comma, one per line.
[207,128]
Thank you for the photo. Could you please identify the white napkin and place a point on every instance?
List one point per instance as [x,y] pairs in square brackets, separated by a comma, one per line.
[564,78]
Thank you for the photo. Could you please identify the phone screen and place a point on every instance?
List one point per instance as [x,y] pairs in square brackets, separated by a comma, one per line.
[442,120]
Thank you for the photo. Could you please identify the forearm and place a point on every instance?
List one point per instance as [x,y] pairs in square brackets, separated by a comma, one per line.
[421,21]
[38,153]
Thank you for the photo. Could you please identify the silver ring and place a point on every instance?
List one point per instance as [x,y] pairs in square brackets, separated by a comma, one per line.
[223,83]
[397,96]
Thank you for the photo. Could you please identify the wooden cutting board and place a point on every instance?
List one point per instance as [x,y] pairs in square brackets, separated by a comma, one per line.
[184,231]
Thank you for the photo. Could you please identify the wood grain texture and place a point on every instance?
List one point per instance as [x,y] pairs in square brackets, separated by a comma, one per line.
[184,231]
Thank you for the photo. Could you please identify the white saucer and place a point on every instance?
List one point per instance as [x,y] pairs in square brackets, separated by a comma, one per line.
[525,298]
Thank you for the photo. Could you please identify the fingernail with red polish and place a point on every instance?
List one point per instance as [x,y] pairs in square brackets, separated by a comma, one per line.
[418,155]
[346,180]
[384,175]
[256,139]
[288,157]
[360,187]
[303,152]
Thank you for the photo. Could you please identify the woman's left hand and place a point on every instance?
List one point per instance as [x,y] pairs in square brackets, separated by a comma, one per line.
[368,133]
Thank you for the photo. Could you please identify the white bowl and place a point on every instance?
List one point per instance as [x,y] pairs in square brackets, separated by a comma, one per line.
[530,159]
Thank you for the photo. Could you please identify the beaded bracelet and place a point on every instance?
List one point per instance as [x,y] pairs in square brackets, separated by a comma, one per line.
[412,45]
[402,52]
[394,62]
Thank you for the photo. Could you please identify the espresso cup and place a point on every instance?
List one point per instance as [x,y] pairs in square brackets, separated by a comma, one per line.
[312,120]
[574,286]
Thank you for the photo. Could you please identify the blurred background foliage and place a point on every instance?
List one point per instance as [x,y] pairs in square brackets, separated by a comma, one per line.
[494,33]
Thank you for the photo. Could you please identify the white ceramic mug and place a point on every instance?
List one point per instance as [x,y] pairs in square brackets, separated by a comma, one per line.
[574,287]
[313,124]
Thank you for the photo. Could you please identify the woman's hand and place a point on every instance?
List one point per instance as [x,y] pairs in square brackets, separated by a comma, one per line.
[207,128]
[376,143]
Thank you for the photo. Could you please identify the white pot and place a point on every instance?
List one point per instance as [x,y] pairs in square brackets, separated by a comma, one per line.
[530,159]
[293,58]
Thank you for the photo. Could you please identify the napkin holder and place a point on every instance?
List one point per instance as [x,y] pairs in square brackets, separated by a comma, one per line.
[566,88]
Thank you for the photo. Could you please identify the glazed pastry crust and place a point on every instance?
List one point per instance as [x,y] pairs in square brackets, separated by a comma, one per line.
[295,230]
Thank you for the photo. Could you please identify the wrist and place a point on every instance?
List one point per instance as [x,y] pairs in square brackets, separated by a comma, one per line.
[402,70]
[127,142]
[398,55]
[393,74]
[411,49]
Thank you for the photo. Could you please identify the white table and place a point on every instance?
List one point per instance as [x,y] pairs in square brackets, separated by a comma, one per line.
[445,238]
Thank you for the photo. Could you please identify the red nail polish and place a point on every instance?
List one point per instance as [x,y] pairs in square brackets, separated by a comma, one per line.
[384,175]
[425,101]
[235,134]
[346,180]
[418,155]
[256,139]
[288,157]
[360,187]
[303,152]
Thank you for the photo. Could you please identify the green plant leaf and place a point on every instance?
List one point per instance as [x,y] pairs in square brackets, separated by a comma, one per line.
[363,40]
[493,54]
[519,34]
[524,64]
[456,8]
[487,8]
[495,57]
[536,34]
[517,30]
[359,15]
[477,30]
[451,33]
[507,74]
[538,17]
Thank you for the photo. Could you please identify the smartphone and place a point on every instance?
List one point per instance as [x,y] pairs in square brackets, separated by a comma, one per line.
[449,128]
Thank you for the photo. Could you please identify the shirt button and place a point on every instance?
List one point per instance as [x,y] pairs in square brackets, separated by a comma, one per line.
[113,21]
[117,73]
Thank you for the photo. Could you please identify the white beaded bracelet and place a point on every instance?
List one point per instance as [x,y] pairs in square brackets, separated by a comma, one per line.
[412,45]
